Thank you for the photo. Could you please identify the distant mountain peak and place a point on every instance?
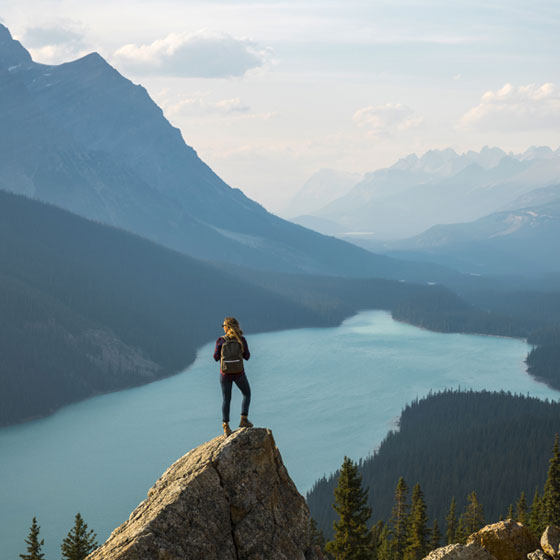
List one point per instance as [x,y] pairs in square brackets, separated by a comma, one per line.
[12,53]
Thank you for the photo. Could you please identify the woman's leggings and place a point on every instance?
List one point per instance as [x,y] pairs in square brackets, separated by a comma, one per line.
[243,384]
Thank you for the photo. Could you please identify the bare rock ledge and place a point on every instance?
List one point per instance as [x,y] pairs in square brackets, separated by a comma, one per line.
[230,498]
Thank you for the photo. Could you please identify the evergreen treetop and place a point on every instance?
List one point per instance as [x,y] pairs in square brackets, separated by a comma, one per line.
[351,536]
[417,538]
[399,520]
[79,542]
[34,545]
[551,494]
[451,519]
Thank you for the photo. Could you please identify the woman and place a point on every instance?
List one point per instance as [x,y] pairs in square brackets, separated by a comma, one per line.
[231,349]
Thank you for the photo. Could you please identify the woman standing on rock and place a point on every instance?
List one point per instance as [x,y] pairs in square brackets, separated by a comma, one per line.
[231,349]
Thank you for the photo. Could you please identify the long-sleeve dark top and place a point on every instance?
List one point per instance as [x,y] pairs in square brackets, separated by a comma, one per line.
[218,353]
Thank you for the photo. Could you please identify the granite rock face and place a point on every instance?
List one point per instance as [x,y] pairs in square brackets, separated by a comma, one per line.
[550,542]
[460,552]
[230,498]
[506,540]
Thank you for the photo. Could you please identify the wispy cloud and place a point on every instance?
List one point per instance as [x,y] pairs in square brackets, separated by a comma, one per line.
[529,107]
[388,119]
[55,43]
[203,54]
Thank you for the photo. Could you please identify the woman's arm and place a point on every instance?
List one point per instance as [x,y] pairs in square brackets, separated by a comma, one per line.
[218,349]
[246,353]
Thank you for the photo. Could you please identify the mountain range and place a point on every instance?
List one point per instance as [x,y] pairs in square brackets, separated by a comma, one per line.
[511,242]
[440,187]
[81,136]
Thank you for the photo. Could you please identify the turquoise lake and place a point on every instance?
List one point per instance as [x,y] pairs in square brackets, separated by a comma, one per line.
[324,393]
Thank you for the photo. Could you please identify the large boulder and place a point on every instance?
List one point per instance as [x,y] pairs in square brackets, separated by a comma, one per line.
[506,540]
[230,498]
[460,552]
[550,542]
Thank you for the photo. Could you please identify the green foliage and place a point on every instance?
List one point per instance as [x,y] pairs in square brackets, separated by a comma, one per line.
[509,514]
[79,542]
[551,494]
[451,520]
[398,522]
[34,545]
[351,537]
[537,523]
[522,510]
[435,537]
[417,539]
[316,536]
[472,519]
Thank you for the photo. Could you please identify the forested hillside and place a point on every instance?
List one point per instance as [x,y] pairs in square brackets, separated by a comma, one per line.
[454,443]
[86,308]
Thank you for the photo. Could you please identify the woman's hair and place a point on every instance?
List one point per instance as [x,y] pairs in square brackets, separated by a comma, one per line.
[233,330]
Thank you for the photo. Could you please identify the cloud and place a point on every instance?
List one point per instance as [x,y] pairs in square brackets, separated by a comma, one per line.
[516,108]
[386,119]
[200,105]
[55,43]
[204,54]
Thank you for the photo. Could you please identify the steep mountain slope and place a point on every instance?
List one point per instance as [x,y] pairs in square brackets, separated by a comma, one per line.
[441,187]
[81,136]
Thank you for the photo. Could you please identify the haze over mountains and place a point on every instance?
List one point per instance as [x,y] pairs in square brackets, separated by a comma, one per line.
[441,187]
[83,137]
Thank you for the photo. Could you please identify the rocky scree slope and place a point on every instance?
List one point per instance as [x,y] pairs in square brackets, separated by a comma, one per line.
[230,498]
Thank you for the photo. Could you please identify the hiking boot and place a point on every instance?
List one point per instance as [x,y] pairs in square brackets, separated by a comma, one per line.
[227,429]
[245,422]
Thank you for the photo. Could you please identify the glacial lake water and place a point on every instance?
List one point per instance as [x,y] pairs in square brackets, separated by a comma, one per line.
[325,393]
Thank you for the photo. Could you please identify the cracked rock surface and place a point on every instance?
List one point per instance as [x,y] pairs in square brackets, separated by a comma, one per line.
[230,498]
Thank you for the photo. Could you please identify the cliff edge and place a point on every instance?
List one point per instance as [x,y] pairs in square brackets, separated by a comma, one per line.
[230,498]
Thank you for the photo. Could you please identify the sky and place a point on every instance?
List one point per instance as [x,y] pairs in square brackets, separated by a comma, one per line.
[270,92]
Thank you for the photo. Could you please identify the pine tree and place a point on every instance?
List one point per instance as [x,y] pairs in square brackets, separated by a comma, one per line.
[34,545]
[536,522]
[375,538]
[551,493]
[417,538]
[435,536]
[79,542]
[385,549]
[522,511]
[316,536]
[473,518]
[351,537]
[451,519]
[509,514]
[398,523]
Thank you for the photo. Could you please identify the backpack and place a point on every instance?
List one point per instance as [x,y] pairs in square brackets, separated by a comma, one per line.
[232,356]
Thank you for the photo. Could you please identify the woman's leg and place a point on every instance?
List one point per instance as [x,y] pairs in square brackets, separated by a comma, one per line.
[243,384]
[226,397]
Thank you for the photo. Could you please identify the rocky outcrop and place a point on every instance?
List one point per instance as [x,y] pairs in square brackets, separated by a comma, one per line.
[550,542]
[506,540]
[537,555]
[460,552]
[230,498]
